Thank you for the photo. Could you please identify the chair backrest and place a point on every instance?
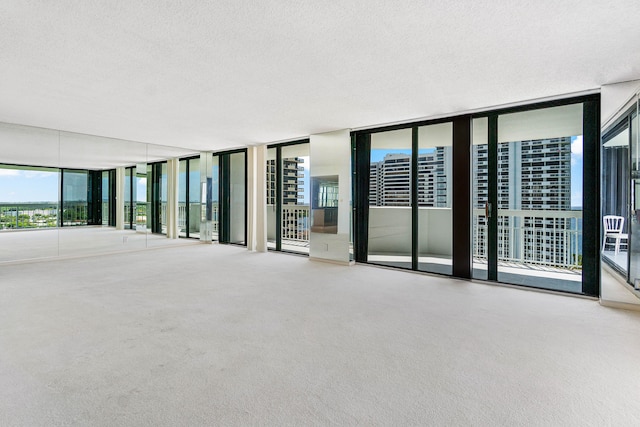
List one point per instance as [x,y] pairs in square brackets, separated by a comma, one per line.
[613,223]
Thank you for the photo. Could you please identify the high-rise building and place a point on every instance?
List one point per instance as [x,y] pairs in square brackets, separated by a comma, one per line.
[292,175]
[533,175]
[294,220]
[390,179]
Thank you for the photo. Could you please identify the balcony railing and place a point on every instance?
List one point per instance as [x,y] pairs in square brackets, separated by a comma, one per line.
[295,223]
[550,238]
[195,212]
[28,215]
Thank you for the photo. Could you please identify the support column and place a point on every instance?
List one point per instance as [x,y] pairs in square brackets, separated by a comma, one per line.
[251,198]
[261,198]
[173,169]
[119,200]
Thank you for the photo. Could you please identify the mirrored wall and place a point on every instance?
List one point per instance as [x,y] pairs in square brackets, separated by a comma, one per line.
[69,194]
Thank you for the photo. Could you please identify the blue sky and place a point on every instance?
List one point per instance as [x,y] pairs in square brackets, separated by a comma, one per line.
[42,186]
[28,186]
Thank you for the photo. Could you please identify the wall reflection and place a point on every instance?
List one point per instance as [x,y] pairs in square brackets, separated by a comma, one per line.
[60,193]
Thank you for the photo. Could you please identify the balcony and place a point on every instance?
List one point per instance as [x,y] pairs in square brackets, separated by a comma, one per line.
[548,255]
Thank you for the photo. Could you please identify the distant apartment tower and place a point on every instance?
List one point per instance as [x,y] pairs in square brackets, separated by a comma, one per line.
[294,215]
[533,175]
[390,179]
[292,186]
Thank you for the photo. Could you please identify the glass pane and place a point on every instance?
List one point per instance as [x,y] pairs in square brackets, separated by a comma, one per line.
[390,199]
[480,175]
[295,198]
[615,192]
[434,198]
[182,199]
[163,197]
[238,211]
[194,198]
[634,252]
[540,198]
[74,196]
[128,199]
[215,197]
[29,199]
[271,197]
[140,188]
[105,198]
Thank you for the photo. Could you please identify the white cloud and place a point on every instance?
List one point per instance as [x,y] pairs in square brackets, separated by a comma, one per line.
[35,174]
[576,145]
[9,172]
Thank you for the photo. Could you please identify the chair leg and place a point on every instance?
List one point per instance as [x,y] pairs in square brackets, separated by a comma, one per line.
[617,245]
[604,243]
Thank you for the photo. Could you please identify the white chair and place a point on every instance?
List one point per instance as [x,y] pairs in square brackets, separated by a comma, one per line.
[613,226]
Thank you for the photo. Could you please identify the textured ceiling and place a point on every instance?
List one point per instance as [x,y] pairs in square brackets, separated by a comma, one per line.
[220,74]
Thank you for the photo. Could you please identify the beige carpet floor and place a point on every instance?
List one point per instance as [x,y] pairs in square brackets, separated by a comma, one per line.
[217,335]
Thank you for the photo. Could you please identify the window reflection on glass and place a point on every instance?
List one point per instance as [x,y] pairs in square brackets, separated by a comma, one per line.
[633,230]
[237,214]
[28,197]
[140,187]
[194,198]
[74,196]
[324,204]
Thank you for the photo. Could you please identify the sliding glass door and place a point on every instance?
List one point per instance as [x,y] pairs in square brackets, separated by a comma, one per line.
[288,193]
[527,201]
[390,200]
[499,196]
[409,204]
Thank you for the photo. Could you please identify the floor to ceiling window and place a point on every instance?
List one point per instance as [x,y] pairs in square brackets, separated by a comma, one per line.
[141,198]
[529,216]
[105,198]
[620,195]
[129,198]
[287,187]
[409,203]
[435,191]
[189,198]
[237,198]
[390,201]
[528,197]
